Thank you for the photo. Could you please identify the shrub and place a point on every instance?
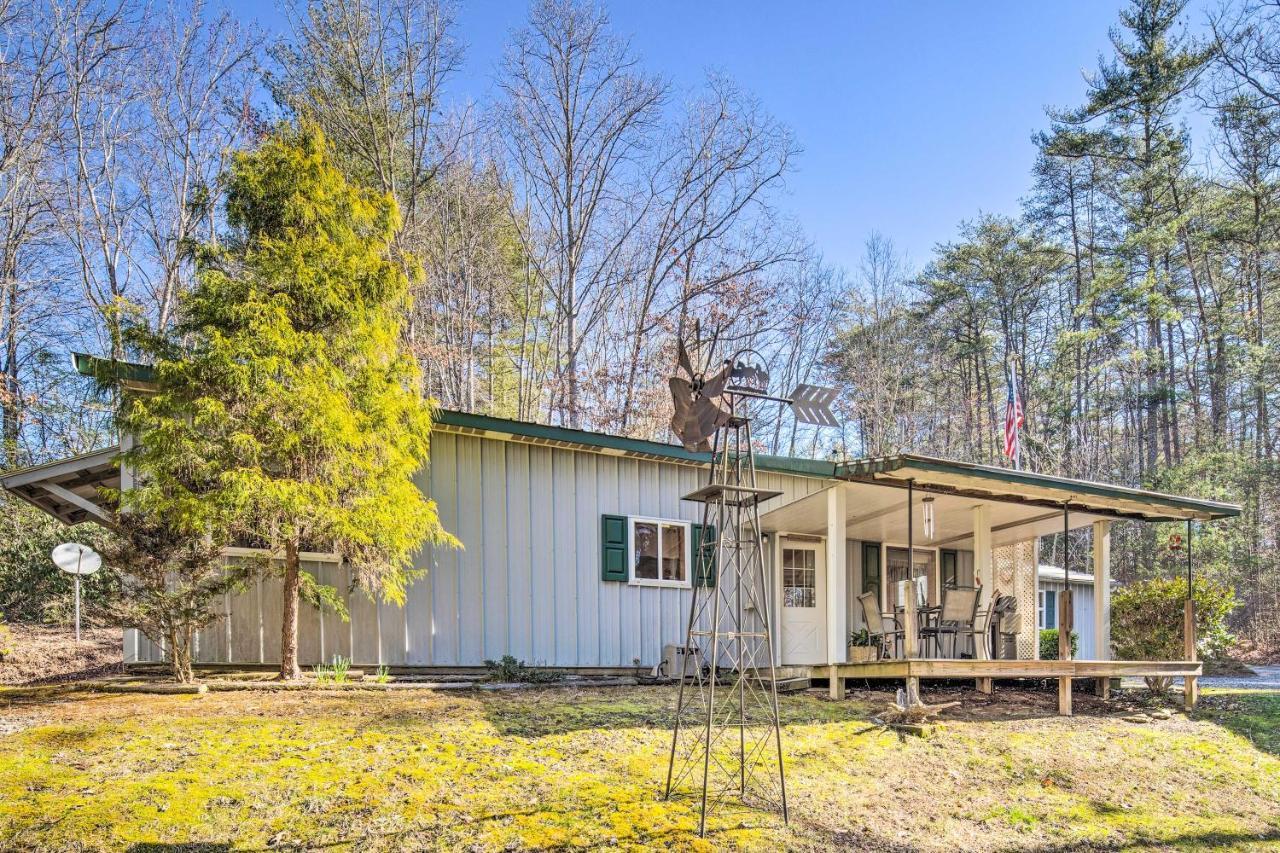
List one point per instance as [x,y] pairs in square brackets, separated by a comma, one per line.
[1049,643]
[173,583]
[6,640]
[510,670]
[1146,621]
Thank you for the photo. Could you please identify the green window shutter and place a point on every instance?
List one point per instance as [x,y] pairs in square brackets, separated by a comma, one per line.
[704,558]
[613,548]
[871,568]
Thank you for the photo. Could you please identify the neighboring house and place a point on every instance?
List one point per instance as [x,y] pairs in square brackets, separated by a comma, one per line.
[1052,583]
[577,549]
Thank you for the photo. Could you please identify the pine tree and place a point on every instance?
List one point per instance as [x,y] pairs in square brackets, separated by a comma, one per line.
[1137,96]
[287,410]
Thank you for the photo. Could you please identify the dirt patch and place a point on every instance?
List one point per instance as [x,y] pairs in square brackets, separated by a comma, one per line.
[1020,700]
[48,655]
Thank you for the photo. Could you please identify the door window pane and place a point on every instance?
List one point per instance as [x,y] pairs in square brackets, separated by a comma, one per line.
[645,546]
[799,577]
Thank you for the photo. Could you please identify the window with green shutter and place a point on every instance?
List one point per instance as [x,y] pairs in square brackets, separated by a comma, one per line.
[613,548]
[653,552]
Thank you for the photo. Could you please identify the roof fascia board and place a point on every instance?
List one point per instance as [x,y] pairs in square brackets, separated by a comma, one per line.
[894,466]
[59,468]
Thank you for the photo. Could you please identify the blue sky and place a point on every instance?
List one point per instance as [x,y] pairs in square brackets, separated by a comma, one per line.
[912,116]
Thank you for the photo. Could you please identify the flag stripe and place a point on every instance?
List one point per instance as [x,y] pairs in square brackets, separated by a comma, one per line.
[1013,419]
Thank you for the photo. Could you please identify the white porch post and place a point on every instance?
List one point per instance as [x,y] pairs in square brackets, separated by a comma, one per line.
[836,575]
[1102,589]
[982,567]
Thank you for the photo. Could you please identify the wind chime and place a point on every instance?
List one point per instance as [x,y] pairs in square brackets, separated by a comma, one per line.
[727,742]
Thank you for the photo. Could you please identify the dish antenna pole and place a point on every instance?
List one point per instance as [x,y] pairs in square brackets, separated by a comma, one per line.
[78,561]
[727,741]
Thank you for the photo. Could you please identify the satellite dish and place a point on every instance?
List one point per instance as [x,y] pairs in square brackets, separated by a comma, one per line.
[76,559]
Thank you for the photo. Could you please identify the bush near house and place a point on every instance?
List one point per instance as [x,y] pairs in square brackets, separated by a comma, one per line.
[1049,643]
[1146,621]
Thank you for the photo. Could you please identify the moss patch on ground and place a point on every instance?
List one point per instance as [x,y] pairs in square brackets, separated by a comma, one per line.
[567,769]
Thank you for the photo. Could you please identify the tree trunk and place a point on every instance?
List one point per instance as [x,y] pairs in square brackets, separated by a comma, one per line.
[179,642]
[289,670]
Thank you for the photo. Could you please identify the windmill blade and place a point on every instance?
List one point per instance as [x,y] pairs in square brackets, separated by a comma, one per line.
[812,405]
[714,386]
[695,417]
[682,357]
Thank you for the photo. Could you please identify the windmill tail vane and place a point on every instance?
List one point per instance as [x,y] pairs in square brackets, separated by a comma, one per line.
[726,743]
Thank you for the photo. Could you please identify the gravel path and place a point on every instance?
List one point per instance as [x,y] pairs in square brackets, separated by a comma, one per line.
[1267,678]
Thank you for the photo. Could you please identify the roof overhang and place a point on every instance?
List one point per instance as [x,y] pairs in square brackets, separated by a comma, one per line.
[69,489]
[984,482]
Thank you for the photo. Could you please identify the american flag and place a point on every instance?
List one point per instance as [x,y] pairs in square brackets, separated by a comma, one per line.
[1013,420]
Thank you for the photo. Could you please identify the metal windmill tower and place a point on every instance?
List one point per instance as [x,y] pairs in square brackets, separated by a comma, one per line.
[727,741]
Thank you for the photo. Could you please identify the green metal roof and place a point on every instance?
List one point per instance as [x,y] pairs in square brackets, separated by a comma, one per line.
[927,471]
[485,424]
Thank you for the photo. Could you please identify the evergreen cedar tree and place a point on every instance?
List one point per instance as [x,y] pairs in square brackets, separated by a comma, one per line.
[287,409]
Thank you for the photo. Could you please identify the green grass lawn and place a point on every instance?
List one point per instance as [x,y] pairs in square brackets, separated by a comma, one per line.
[583,769]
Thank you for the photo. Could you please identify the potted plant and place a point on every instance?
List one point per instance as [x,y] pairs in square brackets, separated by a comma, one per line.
[861,648]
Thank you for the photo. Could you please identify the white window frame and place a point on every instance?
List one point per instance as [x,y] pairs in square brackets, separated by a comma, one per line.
[632,580]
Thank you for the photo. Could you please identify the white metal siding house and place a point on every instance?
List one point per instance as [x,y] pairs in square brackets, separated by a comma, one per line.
[577,552]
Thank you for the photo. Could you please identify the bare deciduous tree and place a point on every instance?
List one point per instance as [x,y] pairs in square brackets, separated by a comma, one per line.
[576,120]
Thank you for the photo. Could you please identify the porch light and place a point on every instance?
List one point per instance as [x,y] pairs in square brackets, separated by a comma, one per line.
[928,517]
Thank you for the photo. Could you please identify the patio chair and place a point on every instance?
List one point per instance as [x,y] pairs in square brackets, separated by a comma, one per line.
[959,612]
[880,625]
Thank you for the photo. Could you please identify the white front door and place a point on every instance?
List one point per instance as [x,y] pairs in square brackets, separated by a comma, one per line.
[802,579]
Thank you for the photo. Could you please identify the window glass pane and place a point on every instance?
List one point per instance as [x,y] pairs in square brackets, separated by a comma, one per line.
[673,568]
[644,545]
[799,577]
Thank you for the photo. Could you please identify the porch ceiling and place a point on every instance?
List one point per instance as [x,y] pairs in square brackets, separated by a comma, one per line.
[878,513]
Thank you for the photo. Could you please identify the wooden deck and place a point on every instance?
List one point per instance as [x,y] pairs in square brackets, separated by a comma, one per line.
[984,672]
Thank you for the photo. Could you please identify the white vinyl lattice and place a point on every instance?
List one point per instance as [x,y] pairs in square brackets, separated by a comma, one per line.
[1015,574]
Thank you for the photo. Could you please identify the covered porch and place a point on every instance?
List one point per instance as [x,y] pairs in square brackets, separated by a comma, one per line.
[938,553]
